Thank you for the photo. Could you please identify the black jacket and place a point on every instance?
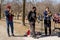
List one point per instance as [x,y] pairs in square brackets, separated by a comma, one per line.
[32,16]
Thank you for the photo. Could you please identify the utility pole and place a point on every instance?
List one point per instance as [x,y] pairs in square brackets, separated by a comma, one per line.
[23,18]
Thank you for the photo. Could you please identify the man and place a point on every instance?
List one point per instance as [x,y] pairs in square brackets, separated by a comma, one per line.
[32,20]
[9,20]
[47,20]
[56,19]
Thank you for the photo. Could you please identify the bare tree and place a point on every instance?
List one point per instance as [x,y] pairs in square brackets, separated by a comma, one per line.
[24,2]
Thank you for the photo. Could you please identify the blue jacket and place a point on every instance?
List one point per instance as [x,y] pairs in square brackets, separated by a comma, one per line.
[7,15]
[45,16]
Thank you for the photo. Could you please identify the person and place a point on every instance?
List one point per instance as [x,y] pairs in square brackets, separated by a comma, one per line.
[39,17]
[9,20]
[56,19]
[32,20]
[47,20]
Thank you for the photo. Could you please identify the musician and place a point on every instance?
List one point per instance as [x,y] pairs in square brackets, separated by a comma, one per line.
[56,19]
[32,20]
[9,20]
[47,20]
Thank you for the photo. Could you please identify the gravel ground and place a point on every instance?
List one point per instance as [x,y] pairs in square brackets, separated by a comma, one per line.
[18,28]
[43,38]
[4,36]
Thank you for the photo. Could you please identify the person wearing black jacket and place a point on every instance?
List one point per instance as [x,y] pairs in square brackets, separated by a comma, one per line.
[32,20]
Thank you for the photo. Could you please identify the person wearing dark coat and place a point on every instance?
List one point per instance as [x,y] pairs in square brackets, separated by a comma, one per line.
[47,20]
[32,20]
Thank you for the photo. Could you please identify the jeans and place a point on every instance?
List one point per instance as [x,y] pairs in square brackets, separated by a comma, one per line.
[10,25]
[32,28]
[47,24]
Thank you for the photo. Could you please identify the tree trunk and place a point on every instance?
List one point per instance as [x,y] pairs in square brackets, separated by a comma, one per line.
[23,19]
[0,11]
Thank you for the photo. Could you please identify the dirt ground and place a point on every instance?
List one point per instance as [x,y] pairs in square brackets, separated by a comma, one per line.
[20,30]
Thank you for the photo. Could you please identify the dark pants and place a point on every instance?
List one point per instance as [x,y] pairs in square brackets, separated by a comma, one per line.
[10,25]
[47,24]
[32,28]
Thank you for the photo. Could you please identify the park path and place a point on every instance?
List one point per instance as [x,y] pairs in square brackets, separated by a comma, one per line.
[4,36]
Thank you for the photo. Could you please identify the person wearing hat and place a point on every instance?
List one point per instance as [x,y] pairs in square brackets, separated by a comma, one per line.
[9,20]
[32,20]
